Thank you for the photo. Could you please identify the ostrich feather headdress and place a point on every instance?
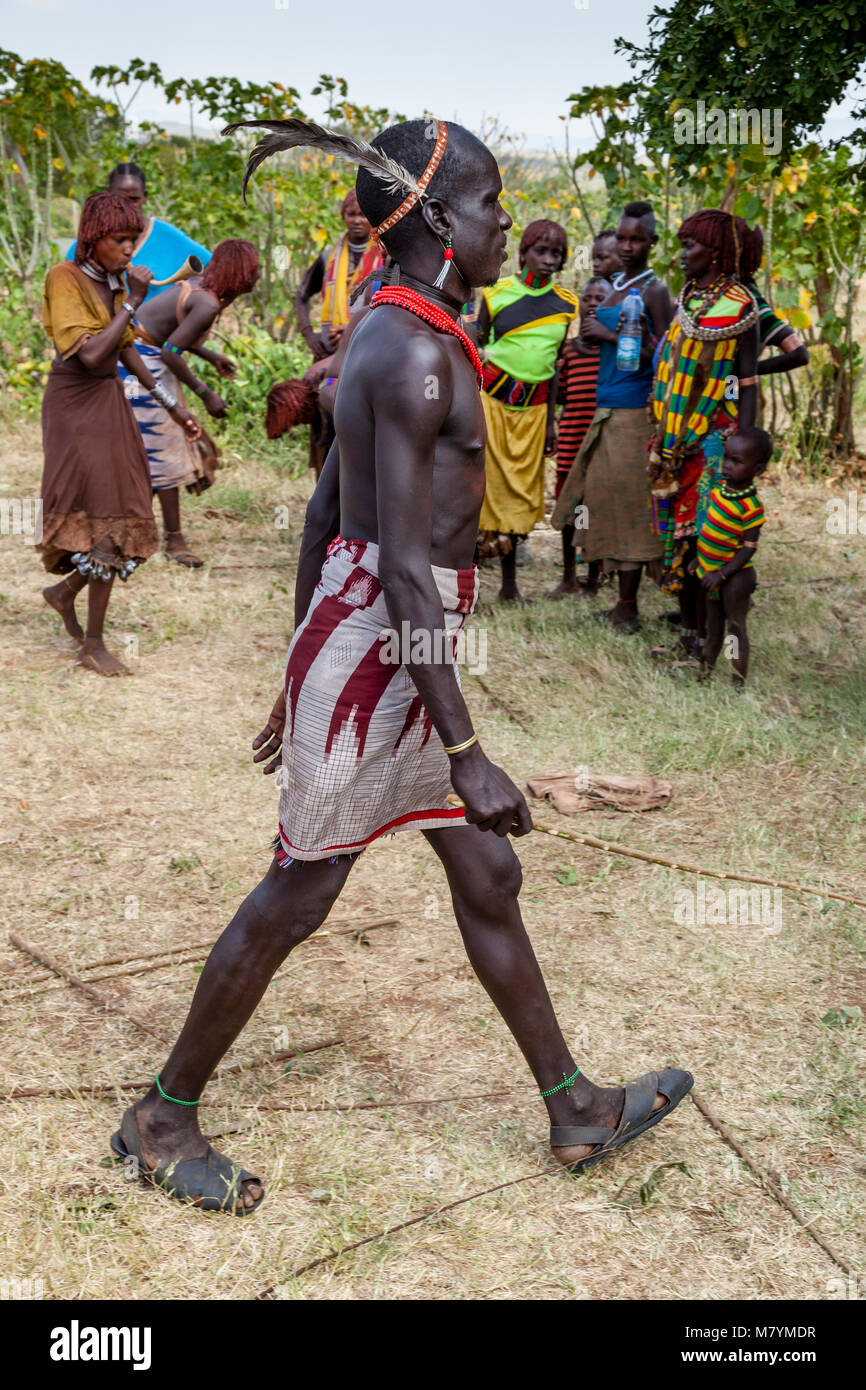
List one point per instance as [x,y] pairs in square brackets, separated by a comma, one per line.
[290,134]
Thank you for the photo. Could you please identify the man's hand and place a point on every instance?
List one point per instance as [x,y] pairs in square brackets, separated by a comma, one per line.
[269,743]
[315,344]
[692,566]
[491,799]
[550,438]
[214,405]
[316,371]
[138,277]
[225,366]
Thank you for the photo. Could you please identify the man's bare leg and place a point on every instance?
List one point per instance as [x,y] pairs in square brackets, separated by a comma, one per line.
[484,876]
[286,907]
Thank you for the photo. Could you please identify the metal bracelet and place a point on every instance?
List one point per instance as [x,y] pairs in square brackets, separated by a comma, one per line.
[163,395]
[467,743]
[128,307]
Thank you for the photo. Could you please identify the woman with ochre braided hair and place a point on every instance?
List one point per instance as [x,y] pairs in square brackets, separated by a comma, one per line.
[97,519]
[712,340]
[159,245]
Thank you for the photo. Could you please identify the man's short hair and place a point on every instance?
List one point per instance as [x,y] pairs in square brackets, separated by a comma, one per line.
[411,144]
[642,212]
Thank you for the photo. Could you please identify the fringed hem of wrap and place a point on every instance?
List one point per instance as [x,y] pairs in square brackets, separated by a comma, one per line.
[117,538]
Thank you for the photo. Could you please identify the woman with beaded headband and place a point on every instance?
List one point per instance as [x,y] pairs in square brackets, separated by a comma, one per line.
[522,324]
[706,383]
[375,733]
[97,514]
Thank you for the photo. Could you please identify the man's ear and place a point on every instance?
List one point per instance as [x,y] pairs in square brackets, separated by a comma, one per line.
[437,216]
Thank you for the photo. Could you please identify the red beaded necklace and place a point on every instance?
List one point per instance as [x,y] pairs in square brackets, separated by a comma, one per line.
[405,298]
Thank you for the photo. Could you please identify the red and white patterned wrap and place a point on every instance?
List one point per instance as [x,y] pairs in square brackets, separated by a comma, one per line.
[360,755]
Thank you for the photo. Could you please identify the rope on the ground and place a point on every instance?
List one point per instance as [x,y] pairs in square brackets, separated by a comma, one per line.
[703,1109]
[508,710]
[182,957]
[302,1107]
[269,1292]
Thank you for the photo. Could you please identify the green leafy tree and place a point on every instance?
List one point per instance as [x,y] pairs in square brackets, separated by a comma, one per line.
[783,54]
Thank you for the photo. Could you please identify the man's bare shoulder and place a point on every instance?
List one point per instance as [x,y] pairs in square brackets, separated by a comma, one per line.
[393,341]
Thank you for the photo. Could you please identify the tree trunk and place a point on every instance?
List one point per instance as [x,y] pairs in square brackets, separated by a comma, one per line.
[838,426]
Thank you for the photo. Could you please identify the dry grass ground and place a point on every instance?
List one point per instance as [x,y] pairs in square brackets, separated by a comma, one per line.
[134,820]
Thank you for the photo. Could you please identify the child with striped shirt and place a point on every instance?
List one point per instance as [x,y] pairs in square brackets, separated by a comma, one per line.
[726,543]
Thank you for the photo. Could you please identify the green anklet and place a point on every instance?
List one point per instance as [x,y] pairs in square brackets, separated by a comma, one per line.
[565,1084]
[182,1102]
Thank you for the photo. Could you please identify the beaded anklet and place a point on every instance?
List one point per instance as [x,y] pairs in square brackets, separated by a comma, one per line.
[565,1084]
[172,1098]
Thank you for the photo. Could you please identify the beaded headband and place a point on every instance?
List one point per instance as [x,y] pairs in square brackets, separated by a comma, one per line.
[412,198]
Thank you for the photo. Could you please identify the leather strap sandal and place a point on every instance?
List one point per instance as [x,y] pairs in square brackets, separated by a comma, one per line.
[637,1116]
[211,1182]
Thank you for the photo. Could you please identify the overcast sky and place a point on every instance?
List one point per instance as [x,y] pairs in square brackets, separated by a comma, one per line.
[465,60]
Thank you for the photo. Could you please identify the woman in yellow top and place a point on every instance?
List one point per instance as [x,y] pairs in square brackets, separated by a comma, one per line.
[522,325]
[97,514]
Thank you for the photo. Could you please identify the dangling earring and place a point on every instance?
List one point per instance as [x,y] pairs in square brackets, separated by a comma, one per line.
[446,265]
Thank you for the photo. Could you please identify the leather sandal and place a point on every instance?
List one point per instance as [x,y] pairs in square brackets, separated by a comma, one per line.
[211,1182]
[637,1116]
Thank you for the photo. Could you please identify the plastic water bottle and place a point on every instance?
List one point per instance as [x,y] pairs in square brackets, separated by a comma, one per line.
[629,341]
